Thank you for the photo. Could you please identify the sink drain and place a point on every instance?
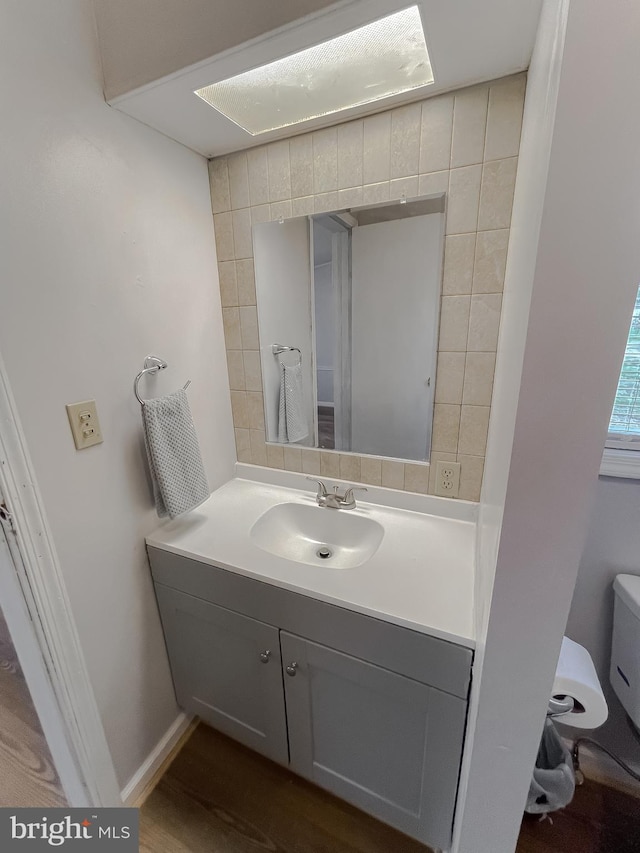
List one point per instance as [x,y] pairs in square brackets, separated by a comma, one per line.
[324,553]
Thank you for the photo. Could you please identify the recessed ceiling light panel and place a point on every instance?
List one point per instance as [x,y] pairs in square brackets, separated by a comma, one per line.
[386,57]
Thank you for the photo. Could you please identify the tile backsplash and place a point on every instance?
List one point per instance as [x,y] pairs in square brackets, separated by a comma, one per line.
[464,143]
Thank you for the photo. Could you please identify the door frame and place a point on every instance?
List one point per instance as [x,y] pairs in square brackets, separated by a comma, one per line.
[34,598]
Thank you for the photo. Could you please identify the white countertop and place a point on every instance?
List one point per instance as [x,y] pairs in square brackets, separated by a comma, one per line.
[421,576]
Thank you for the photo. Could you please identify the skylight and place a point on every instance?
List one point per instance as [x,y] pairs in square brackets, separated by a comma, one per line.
[383,58]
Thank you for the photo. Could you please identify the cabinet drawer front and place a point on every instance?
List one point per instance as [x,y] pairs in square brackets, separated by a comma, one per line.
[386,743]
[218,672]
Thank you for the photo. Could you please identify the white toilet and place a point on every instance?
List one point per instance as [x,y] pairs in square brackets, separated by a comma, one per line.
[625,652]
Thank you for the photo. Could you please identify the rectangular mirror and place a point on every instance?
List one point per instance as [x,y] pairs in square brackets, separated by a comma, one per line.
[348,310]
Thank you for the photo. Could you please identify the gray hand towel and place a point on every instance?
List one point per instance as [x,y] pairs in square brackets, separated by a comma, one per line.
[177,472]
[292,421]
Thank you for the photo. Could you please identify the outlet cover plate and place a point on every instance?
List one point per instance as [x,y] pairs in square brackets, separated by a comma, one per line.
[447,479]
[84,423]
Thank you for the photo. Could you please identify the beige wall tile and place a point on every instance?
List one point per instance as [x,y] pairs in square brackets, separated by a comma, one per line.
[310,461]
[506,103]
[219,185]
[275,456]
[255,407]
[350,141]
[235,369]
[292,458]
[416,478]
[260,213]
[459,250]
[280,210]
[433,183]
[231,325]
[490,261]
[478,378]
[474,423]
[377,148]
[435,457]
[258,447]
[450,377]
[371,470]
[496,197]
[249,327]
[239,409]
[325,160]
[279,170]
[392,474]
[243,445]
[246,282]
[350,467]
[471,469]
[375,193]
[242,233]
[258,172]
[228,283]
[405,140]
[223,230]
[329,464]
[325,201]
[302,206]
[301,155]
[469,126]
[446,427]
[484,322]
[252,370]
[238,180]
[403,187]
[350,198]
[464,198]
[454,323]
[435,133]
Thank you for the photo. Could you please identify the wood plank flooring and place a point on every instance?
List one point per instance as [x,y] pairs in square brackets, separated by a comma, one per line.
[218,797]
[27,774]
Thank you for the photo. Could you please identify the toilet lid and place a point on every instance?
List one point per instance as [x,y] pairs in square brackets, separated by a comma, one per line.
[628,588]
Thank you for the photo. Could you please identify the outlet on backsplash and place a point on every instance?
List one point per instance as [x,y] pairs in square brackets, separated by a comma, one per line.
[447,479]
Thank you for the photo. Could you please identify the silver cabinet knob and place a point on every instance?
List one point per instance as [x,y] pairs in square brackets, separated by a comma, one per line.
[265,656]
[291,669]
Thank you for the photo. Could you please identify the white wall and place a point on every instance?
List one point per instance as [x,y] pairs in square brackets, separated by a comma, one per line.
[612,547]
[325,330]
[396,269]
[107,255]
[574,254]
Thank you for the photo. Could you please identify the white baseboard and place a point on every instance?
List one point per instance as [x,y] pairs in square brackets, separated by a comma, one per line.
[140,780]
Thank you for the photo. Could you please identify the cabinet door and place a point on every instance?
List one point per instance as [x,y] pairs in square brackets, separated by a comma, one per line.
[388,744]
[226,669]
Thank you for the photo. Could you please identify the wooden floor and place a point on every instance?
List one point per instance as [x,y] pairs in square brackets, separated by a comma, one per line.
[27,774]
[218,797]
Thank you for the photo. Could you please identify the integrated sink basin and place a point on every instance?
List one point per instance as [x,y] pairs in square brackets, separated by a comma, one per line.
[317,536]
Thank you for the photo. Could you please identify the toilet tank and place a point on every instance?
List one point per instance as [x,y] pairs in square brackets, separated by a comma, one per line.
[625,651]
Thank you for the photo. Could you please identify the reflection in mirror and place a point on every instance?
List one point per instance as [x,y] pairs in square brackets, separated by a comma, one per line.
[348,310]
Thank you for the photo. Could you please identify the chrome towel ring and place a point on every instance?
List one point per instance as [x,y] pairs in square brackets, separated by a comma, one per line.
[152,364]
[278,349]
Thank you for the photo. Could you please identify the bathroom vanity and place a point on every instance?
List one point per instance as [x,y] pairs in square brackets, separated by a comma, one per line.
[327,670]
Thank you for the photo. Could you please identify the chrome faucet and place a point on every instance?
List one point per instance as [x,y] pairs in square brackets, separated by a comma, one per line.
[334,500]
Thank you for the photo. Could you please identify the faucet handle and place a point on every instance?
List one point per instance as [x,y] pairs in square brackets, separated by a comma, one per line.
[348,495]
[322,489]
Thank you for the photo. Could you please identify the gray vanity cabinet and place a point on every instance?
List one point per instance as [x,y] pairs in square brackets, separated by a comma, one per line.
[226,669]
[371,711]
[386,743]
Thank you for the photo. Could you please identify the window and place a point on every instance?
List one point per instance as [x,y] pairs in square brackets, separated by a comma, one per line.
[624,427]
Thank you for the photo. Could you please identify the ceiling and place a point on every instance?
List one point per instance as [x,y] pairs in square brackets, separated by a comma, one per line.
[157,52]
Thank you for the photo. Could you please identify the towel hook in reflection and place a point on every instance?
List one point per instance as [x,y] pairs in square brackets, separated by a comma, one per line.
[152,364]
[278,349]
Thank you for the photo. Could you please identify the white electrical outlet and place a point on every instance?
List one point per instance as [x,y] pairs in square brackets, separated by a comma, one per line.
[447,479]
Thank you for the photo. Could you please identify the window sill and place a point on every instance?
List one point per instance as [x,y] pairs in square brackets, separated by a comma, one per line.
[620,463]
